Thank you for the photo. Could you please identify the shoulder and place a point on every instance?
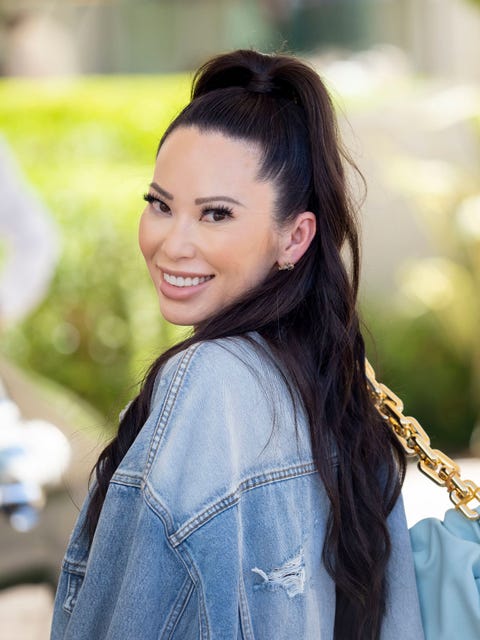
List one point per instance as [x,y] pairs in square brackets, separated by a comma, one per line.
[216,367]
[223,420]
[216,393]
[201,398]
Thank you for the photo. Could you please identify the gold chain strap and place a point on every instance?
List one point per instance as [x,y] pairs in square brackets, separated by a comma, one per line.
[415,442]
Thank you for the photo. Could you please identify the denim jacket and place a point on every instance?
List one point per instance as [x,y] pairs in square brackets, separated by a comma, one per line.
[214,522]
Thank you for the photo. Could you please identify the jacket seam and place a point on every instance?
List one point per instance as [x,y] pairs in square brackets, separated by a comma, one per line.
[244,613]
[203,622]
[184,558]
[186,529]
[178,608]
[77,568]
[160,512]
[158,509]
[168,404]
[127,480]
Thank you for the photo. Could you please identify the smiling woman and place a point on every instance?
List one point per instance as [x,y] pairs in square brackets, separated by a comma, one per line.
[204,251]
[252,490]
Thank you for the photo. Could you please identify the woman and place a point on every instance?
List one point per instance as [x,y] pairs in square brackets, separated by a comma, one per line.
[253,489]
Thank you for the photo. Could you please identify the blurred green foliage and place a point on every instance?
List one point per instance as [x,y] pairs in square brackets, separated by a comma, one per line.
[419,365]
[88,148]
[428,330]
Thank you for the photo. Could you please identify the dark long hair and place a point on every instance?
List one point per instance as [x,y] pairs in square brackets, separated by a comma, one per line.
[308,317]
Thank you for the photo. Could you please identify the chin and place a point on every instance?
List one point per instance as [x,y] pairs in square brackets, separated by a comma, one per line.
[181,319]
[177,319]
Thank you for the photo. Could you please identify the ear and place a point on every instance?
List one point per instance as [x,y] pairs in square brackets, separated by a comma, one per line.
[297,237]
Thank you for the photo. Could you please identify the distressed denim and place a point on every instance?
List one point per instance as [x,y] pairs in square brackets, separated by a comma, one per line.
[213,524]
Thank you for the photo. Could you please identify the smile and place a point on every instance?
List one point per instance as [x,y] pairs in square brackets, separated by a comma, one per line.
[180,281]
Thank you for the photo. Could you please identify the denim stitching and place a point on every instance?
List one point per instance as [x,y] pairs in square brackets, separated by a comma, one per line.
[168,404]
[203,622]
[74,584]
[245,621]
[189,527]
[74,567]
[178,608]
[126,479]
[184,559]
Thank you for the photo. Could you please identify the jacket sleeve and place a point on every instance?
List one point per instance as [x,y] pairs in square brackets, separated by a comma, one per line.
[134,584]
[131,583]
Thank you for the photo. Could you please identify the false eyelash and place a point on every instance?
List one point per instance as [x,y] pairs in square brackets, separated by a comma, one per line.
[148,197]
[227,211]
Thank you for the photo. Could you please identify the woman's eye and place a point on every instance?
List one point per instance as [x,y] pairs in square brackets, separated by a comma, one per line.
[156,203]
[217,215]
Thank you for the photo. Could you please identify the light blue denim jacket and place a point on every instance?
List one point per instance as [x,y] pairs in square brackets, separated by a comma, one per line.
[214,522]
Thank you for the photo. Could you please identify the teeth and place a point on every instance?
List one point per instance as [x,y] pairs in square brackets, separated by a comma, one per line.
[179,281]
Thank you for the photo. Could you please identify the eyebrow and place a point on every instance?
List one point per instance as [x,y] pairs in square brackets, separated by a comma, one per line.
[161,191]
[169,196]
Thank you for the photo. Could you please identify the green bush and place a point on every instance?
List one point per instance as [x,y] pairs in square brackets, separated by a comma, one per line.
[88,148]
[433,380]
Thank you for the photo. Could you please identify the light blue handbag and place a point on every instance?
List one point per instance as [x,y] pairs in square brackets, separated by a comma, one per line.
[446,554]
[447,567]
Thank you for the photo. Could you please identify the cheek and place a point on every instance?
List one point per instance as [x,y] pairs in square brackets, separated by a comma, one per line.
[144,237]
[262,249]
[250,257]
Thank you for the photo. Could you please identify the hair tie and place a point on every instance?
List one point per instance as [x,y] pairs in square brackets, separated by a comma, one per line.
[269,86]
[258,84]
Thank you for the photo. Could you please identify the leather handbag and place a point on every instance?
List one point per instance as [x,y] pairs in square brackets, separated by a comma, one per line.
[446,553]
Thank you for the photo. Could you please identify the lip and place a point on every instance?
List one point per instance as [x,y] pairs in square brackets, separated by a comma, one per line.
[182,293]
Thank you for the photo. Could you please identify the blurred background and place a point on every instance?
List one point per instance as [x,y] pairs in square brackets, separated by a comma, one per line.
[86,89]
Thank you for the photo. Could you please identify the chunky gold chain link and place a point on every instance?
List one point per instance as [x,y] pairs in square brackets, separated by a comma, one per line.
[415,442]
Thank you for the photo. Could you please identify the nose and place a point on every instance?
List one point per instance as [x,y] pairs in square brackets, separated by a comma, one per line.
[178,242]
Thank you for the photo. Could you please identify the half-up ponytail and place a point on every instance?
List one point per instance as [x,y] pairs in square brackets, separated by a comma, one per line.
[241,69]
[280,104]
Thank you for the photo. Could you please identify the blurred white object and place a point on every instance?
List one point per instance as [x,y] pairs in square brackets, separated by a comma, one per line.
[425,499]
[33,455]
[31,451]
[38,45]
[39,452]
[31,239]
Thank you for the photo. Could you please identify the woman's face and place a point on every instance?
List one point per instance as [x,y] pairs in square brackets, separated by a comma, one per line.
[208,232]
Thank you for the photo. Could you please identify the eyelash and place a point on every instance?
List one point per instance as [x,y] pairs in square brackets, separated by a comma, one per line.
[222,209]
[151,199]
